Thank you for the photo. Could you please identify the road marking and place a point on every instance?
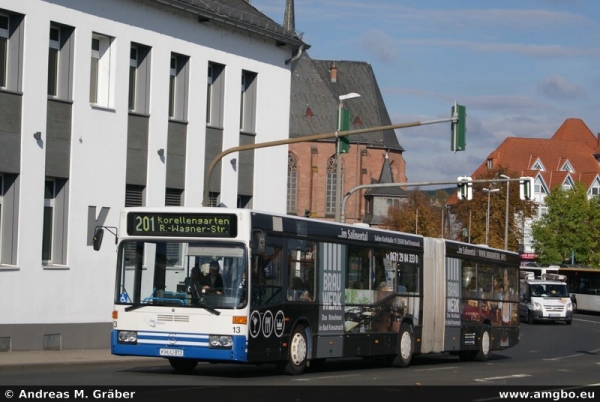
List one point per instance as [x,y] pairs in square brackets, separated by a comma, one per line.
[439,368]
[579,319]
[569,356]
[502,378]
[563,357]
[326,378]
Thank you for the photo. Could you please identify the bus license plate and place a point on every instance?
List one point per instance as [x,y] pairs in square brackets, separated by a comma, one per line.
[170,352]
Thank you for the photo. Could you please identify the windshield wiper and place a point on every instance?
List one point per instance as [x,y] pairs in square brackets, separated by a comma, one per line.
[206,306]
[140,305]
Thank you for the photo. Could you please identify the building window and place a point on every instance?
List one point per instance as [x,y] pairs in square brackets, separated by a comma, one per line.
[54,234]
[9,219]
[248,102]
[213,199]
[133,66]
[567,167]
[330,193]
[244,201]
[4,23]
[101,79]
[1,210]
[60,61]
[172,76]
[538,166]
[209,89]
[215,94]
[134,197]
[139,78]
[173,198]
[595,189]
[178,87]
[11,50]
[490,163]
[292,183]
[53,61]
[49,194]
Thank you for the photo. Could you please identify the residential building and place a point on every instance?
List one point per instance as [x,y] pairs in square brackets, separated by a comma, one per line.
[113,103]
[571,155]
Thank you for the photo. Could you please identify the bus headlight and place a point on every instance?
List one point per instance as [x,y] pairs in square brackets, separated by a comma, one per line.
[537,306]
[220,341]
[127,337]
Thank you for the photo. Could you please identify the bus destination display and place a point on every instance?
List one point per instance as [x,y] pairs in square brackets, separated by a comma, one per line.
[184,225]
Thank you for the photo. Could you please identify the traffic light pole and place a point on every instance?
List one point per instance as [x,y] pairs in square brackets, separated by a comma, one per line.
[413,184]
[308,138]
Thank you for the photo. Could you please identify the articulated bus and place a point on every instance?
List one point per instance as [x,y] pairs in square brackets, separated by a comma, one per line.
[239,286]
[584,287]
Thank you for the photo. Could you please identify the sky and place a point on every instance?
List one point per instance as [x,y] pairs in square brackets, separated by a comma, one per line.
[521,68]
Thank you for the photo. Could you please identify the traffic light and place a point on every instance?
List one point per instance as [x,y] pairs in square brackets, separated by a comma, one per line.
[344,142]
[458,139]
[465,188]
[526,188]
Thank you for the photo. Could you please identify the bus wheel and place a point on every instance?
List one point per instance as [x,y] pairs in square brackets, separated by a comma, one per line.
[405,346]
[183,365]
[298,352]
[530,319]
[485,344]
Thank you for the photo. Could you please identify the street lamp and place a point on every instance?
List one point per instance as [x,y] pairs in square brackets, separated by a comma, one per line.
[338,159]
[487,216]
[503,176]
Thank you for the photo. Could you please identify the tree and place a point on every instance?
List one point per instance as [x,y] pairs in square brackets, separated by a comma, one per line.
[416,215]
[472,214]
[571,227]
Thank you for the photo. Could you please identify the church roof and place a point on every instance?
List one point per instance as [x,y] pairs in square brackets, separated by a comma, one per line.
[315,101]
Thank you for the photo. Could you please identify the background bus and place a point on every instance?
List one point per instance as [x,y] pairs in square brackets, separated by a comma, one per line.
[584,287]
[296,291]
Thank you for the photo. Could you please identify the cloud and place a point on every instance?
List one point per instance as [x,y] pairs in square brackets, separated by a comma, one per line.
[380,45]
[557,87]
[528,50]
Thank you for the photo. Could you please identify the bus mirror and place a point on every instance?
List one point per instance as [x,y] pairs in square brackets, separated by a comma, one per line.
[98,235]
[258,242]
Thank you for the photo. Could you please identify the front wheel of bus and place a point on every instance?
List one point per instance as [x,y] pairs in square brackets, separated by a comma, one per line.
[298,352]
[183,365]
[485,345]
[405,346]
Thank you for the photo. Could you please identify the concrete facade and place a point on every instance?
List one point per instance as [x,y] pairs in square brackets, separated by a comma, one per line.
[67,162]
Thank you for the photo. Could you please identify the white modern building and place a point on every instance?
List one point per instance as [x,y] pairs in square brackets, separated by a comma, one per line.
[112,103]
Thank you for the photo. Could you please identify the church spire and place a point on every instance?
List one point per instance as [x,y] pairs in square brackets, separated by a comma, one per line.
[289,23]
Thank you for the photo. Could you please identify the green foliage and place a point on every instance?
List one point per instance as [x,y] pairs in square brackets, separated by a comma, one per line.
[572,224]
[472,214]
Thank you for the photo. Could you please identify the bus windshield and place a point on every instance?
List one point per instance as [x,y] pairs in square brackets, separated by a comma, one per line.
[207,275]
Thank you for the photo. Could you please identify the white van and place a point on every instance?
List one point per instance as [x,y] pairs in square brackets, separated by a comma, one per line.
[545,299]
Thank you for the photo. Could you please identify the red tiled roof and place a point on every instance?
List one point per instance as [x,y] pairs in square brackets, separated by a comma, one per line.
[573,142]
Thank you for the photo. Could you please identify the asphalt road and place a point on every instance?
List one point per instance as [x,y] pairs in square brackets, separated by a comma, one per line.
[555,356]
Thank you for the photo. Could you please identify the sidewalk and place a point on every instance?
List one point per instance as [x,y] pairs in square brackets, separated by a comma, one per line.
[29,359]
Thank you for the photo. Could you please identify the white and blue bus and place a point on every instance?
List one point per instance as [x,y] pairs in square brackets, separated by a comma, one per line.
[584,287]
[295,291]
